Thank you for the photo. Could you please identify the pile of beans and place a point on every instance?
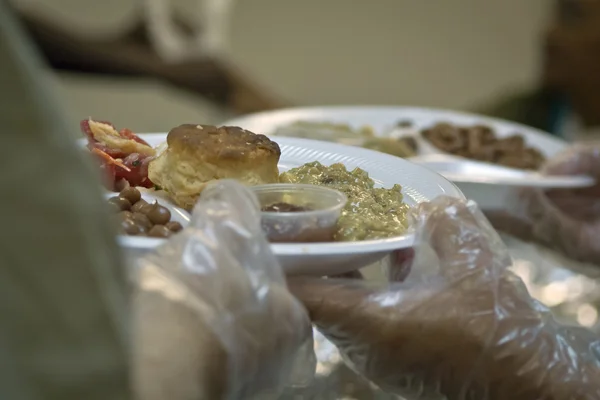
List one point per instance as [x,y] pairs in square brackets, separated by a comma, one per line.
[137,217]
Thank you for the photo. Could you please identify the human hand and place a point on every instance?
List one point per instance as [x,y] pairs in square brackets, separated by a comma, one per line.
[564,220]
[464,328]
[569,220]
[214,319]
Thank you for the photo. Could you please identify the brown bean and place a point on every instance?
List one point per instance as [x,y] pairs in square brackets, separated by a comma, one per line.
[121,184]
[129,227]
[159,231]
[174,226]
[158,214]
[141,220]
[125,214]
[120,202]
[113,207]
[146,208]
[143,230]
[137,207]
[131,194]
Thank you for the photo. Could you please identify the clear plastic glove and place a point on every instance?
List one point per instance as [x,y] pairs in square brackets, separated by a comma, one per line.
[214,318]
[461,326]
[564,220]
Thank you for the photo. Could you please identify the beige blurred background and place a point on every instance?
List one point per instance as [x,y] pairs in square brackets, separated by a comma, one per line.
[451,54]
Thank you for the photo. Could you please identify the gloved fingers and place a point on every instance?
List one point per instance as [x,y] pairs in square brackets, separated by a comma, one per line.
[464,242]
[461,236]
[571,234]
[568,220]
[331,293]
[330,301]
[581,204]
[576,160]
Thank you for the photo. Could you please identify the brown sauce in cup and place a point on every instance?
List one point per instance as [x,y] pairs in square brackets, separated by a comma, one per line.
[284,207]
[304,230]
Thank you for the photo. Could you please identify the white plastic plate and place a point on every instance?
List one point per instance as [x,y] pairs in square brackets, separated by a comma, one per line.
[419,184]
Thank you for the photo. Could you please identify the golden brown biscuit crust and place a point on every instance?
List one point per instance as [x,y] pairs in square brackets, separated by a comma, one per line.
[199,154]
[219,143]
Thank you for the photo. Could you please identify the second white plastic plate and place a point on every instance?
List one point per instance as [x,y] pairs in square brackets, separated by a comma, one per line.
[384,119]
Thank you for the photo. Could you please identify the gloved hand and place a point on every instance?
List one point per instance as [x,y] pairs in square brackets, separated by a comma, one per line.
[461,326]
[214,319]
[564,220]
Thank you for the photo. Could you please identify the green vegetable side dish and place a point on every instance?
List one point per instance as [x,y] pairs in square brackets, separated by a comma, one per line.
[371,213]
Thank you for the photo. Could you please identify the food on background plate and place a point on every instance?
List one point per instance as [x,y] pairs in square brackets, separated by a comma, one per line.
[405,124]
[199,154]
[299,213]
[136,217]
[400,147]
[323,130]
[404,146]
[123,156]
[370,213]
[480,142]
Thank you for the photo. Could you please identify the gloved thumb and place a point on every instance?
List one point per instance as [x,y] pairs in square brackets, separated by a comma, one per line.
[333,302]
[461,237]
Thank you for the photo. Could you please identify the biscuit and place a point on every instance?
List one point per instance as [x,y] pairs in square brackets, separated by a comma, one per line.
[199,154]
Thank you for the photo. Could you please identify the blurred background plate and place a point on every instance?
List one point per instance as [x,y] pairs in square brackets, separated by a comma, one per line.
[384,119]
[492,194]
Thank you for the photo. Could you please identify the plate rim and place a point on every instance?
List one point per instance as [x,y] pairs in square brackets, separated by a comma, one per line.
[537,181]
[523,178]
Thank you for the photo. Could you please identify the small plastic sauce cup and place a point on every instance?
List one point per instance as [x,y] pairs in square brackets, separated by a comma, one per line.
[317,210]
